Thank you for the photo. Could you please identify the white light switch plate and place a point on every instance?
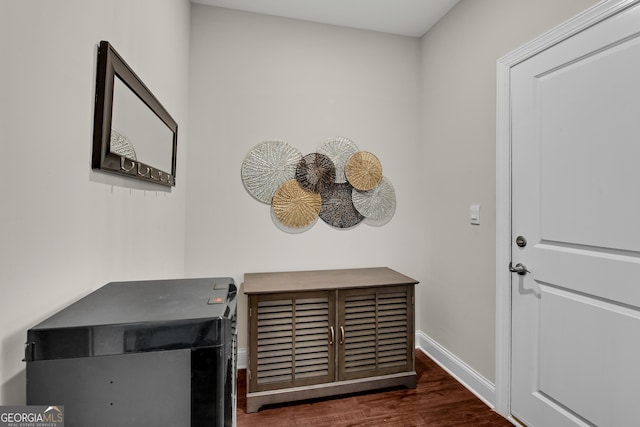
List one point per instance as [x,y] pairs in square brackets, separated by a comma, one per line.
[474,214]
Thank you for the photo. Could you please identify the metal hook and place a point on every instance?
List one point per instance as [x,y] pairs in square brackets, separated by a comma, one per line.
[123,163]
[140,172]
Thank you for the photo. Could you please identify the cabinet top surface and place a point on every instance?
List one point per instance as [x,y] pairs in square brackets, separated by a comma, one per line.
[287,281]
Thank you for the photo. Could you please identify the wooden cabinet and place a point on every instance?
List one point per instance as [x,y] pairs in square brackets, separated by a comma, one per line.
[321,333]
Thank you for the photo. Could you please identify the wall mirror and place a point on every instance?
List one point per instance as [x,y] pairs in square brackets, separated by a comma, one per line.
[133,134]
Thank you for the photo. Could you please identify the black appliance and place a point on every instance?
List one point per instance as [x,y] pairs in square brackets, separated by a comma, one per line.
[146,353]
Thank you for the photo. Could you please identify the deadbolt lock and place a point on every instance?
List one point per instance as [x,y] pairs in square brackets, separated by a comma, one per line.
[521,241]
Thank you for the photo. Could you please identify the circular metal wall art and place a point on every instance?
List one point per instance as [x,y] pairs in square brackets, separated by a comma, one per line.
[339,149]
[339,183]
[295,206]
[267,166]
[337,207]
[380,222]
[290,230]
[316,172]
[377,205]
[363,170]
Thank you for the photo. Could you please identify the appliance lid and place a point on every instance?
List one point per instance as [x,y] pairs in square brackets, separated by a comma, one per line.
[128,317]
[146,301]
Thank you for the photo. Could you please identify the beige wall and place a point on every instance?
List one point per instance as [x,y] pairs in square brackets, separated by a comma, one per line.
[65,229]
[458,59]
[256,78]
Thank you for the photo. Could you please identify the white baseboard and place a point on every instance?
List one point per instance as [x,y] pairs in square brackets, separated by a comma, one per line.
[484,389]
[463,373]
[242,358]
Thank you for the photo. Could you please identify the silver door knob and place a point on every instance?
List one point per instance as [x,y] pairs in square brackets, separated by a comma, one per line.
[519,268]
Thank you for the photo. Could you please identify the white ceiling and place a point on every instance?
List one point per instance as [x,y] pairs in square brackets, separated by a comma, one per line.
[404,17]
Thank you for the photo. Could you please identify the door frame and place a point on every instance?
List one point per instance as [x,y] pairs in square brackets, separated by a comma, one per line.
[597,13]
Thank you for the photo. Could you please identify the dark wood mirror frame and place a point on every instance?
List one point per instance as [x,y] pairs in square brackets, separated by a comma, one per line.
[108,158]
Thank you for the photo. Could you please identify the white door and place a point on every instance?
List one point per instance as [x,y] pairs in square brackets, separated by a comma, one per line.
[576,200]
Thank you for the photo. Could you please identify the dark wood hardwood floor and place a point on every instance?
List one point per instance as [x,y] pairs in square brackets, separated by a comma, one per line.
[437,401]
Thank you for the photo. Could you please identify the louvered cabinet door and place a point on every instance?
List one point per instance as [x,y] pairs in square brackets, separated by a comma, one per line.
[291,342]
[375,331]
